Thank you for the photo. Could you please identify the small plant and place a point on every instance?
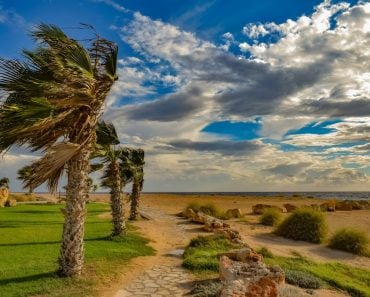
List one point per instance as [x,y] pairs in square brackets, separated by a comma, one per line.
[265,252]
[350,240]
[289,291]
[207,289]
[270,217]
[304,224]
[302,279]
[194,206]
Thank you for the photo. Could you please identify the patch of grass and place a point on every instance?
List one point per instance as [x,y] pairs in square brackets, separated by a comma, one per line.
[304,224]
[29,250]
[201,254]
[265,252]
[355,281]
[208,209]
[302,279]
[270,217]
[350,240]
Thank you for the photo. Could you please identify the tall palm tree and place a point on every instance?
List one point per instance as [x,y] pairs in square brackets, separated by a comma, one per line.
[135,163]
[25,174]
[53,101]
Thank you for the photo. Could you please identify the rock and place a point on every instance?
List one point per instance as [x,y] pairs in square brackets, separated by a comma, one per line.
[188,213]
[226,225]
[328,206]
[290,207]
[365,204]
[243,255]
[344,205]
[260,208]
[251,278]
[11,202]
[234,213]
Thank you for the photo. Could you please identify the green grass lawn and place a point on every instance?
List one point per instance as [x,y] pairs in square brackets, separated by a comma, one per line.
[29,248]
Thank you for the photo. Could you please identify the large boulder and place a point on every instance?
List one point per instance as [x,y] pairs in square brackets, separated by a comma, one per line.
[234,213]
[249,278]
[188,213]
[260,208]
[290,207]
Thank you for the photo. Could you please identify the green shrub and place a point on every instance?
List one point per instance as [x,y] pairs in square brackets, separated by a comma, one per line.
[350,240]
[265,252]
[270,217]
[201,254]
[304,224]
[208,209]
[302,279]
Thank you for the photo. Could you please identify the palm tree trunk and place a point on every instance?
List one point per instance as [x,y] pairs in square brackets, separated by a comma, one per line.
[135,196]
[118,218]
[72,247]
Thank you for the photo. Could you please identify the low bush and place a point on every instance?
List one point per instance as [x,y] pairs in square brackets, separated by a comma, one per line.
[207,288]
[270,217]
[208,209]
[304,224]
[302,279]
[201,254]
[350,240]
[23,197]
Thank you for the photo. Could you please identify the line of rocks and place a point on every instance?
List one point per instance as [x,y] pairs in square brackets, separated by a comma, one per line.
[242,272]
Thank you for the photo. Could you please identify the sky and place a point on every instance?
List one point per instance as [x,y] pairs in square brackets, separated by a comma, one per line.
[226,95]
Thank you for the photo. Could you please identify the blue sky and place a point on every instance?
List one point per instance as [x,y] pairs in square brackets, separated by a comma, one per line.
[227,95]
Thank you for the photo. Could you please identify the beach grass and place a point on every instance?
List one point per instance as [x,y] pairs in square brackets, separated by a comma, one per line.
[356,281]
[29,250]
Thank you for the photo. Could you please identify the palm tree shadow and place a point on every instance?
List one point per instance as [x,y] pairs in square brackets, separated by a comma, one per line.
[33,277]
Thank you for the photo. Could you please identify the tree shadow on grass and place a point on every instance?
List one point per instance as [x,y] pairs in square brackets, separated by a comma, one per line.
[105,238]
[28,278]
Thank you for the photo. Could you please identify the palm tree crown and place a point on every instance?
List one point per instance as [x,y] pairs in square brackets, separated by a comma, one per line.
[52,103]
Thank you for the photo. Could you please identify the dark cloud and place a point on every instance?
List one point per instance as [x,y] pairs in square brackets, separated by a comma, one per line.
[224,147]
[290,170]
[171,108]
[331,108]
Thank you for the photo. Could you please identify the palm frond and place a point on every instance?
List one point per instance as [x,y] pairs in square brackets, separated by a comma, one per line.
[51,166]
[106,134]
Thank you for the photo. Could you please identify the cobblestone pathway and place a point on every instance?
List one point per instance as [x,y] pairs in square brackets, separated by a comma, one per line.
[166,277]
[159,281]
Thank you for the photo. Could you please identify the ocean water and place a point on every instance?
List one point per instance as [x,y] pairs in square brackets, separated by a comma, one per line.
[320,195]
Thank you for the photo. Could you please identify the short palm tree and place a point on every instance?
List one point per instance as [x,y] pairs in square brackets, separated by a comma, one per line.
[4,182]
[110,154]
[25,174]
[135,164]
[53,101]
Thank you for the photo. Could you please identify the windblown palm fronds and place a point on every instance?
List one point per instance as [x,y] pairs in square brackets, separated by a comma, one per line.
[52,102]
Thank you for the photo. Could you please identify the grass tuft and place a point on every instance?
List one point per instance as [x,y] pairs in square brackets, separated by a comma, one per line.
[302,279]
[350,240]
[304,224]
[270,217]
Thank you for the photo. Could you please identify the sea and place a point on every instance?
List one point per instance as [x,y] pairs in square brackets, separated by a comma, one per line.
[319,195]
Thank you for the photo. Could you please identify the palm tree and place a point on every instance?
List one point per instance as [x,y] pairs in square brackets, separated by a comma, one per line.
[115,175]
[24,174]
[53,101]
[4,182]
[135,163]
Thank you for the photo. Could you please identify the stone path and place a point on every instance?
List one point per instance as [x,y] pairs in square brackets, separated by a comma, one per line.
[166,277]
[162,280]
